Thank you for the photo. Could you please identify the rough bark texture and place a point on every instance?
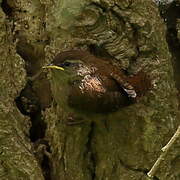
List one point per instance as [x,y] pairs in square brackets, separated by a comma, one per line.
[121,145]
[17,160]
[172,16]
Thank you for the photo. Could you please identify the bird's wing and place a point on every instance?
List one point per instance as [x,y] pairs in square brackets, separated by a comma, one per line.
[124,84]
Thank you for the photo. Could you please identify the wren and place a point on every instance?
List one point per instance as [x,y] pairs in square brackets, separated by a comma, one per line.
[96,85]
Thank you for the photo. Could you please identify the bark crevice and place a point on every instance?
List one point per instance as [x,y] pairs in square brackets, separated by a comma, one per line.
[90,151]
[28,106]
[6,8]
[172,15]
[31,104]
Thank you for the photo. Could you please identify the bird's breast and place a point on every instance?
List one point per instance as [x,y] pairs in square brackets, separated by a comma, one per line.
[95,93]
[90,84]
[90,80]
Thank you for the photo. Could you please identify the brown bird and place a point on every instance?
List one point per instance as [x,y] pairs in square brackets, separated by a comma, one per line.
[93,84]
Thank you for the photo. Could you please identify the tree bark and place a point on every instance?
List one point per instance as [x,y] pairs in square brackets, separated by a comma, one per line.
[120,145]
[17,160]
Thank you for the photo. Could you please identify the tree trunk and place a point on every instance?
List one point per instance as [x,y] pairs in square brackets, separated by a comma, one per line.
[17,158]
[119,145]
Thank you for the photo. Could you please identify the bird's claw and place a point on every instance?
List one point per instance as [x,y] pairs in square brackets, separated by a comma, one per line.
[72,120]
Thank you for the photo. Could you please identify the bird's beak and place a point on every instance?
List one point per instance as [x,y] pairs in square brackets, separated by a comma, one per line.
[50,66]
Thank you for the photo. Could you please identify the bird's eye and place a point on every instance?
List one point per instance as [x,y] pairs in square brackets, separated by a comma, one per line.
[66,64]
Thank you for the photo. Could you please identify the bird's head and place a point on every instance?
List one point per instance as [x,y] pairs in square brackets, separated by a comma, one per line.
[71,64]
[68,69]
[67,66]
[63,75]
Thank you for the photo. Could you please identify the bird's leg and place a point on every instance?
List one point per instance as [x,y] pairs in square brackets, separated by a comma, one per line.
[74,120]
